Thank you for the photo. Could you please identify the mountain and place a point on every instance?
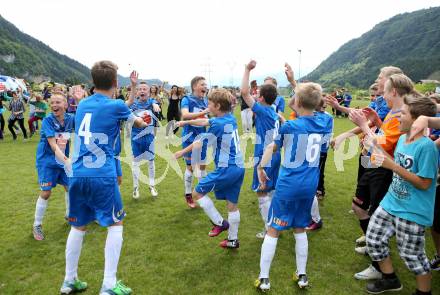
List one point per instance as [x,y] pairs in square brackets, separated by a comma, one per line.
[410,41]
[24,56]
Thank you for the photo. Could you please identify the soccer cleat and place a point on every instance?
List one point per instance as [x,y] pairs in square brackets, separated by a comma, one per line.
[362,250]
[384,285]
[261,234]
[72,287]
[153,191]
[190,201]
[370,273]
[361,240]
[135,193]
[314,225]
[262,284]
[38,233]
[435,263]
[230,244]
[301,280]
[217,229]
[119,289]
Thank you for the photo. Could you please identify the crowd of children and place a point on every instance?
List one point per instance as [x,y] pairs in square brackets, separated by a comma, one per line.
[396,184]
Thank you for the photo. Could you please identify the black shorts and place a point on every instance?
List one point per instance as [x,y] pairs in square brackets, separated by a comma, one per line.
[372,187]
[436,222]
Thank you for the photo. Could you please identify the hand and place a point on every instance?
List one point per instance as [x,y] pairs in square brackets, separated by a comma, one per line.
[78,92]
[357,117]
[418,126]
[380,160]
[205,111]
[289,72]
[330,100]
[369,141]
[251,65]
[371,115]
[67,166]
[262,178]
[180,123]
[156,108]
[134,78]
[178,155]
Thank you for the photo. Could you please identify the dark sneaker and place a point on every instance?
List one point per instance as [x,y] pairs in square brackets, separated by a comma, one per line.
[217,229]
[262,284]
[314,226]
[231,244]
[301,280]
[435,263]
[38,233]
[384,285]
[190,201]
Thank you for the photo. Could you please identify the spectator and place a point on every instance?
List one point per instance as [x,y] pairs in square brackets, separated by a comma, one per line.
[40,108]
[16,106]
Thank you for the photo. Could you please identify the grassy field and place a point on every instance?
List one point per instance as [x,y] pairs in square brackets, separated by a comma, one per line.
[166,248]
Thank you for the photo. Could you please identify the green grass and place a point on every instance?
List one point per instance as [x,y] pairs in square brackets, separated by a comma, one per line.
[166,249]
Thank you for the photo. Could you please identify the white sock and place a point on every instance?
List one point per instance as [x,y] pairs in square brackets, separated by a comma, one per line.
[203,173]
[267,253]
[188,181]
[66,199]
[151,172]
[234,223]
[263,206]
[301,251]
[40,209]
[113,247]
[208,206]
[136,170]
[73,251]
[316,217]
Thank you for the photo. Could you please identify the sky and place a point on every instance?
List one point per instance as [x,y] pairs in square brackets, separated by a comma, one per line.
[177,40]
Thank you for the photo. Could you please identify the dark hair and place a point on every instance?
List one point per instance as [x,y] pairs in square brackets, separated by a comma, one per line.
[195,80]
[269,93]
[419,105]
[104,75]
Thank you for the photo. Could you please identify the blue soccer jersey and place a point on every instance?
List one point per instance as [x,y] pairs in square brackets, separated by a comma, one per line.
[194,105]
[223,135]
[382,108]
[142,139]
[227,178]
[52,128]
[267,125]
[97,124]
[139,108]
[327,121]
[279,104]
[301,139]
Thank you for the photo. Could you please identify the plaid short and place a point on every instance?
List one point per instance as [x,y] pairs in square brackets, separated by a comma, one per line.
[410,238]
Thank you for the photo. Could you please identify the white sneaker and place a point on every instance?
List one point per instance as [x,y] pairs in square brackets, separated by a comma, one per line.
[135,193]
[361,240]
[261,234]
[361,250]
[153,191]
[370,273]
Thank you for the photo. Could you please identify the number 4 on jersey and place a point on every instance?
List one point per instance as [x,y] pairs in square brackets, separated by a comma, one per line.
[84,128]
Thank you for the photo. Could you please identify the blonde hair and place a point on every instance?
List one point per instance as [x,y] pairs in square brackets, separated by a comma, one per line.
[221,97]
[390,70]
[401,83]
[309,95]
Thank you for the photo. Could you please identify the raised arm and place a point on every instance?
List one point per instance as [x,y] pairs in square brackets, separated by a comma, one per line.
[245,84]
[186,115]
[290,75]
[133,80]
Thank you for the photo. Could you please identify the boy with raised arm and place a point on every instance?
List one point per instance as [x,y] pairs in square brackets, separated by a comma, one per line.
[226,180]
[267,125]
